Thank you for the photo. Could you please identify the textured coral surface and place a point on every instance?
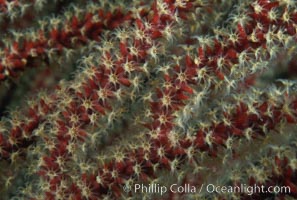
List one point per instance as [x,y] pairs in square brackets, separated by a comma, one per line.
[159,99]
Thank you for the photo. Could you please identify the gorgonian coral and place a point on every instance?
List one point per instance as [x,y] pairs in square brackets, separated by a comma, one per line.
[123,95]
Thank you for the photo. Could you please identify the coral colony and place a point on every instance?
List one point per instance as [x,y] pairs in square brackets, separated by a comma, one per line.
[159,99]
